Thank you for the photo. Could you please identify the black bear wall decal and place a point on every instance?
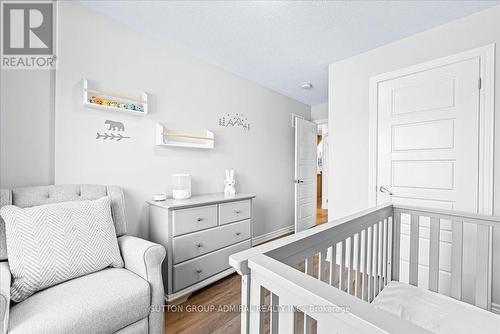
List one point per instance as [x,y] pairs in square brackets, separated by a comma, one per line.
[115,126]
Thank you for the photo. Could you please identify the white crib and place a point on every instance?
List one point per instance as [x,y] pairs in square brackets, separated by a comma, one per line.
[292,282]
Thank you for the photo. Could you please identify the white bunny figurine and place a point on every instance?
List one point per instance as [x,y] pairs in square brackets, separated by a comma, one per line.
[229,183]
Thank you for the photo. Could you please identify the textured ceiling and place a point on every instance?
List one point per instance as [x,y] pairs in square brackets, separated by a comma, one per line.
[281,44]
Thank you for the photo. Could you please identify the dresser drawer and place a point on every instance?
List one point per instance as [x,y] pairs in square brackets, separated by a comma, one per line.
[234,211]
[195,244]
[195,219]
[193,271]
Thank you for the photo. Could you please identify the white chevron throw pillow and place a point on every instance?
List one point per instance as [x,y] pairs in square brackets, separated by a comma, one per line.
[50,244]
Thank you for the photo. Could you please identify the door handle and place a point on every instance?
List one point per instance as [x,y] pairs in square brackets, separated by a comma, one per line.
[298,181]
[384,190]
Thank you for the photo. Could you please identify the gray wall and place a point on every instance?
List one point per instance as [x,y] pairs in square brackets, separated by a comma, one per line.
[186,94]
[348,106]
[26,128]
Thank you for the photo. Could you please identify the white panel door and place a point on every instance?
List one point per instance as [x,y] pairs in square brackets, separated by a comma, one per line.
[428,154]
[305,174]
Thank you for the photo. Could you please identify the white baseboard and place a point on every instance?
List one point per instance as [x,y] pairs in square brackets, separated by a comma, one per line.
[272,235]
[495,308]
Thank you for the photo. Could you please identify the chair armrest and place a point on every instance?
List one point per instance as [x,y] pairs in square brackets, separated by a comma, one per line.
[4,296]
[144,258]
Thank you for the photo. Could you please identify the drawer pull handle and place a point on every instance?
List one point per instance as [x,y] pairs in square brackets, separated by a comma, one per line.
[238,233]
[237,212]
[199,245]
[199,271]
[199,219]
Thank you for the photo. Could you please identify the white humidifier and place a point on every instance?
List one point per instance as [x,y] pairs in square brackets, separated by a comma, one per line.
[181,186]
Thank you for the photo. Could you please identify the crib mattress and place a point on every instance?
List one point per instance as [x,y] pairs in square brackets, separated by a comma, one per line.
[435,312]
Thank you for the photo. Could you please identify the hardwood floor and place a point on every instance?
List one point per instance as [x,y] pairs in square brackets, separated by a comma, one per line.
[215,309]
[321,214]
[206,310]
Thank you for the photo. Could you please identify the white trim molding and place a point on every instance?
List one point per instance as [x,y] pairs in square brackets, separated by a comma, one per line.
[294,117]
[486,55]
[495,308]
[272,235]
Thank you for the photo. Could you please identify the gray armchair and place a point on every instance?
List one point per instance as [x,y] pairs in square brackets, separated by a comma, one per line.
[114,300]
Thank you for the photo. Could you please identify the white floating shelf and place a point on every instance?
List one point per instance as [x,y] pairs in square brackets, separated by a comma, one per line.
[115,109]
[115,98]
[165,138]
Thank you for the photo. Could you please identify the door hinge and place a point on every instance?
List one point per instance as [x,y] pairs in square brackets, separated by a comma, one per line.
[479,83]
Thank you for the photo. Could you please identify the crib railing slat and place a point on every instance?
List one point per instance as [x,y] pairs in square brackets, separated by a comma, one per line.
[386,246]
[322,266]
[370,264]
[456,259]
[350,270]
[342,267]
[375,259]
[333,266]
[414,241]
[308,321]
[274,316]
[434,240]
[389,250]
[245,303]
[256,321]
[357,289]
[396,245]
[380,255]
[286,318]
[483,268]
[383,268]
[330,264]
[308,265]
[364,291]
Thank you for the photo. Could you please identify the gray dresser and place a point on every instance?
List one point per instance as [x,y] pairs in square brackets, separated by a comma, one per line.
[199,234]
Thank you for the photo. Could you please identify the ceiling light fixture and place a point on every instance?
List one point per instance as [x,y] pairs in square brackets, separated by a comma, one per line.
[307,85]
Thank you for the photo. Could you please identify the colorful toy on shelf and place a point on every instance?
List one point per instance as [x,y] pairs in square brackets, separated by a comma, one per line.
[97,99]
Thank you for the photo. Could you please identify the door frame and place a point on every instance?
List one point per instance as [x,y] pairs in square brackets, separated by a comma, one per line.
[486,55]
[324,195]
